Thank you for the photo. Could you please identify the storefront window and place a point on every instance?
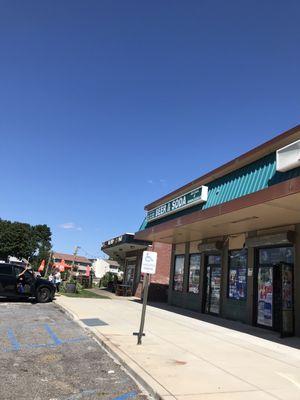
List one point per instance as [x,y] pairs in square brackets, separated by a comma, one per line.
[194,273]
[275,288]
[237,282]
[178,273]
[276,255]
[129,271]
[214,259]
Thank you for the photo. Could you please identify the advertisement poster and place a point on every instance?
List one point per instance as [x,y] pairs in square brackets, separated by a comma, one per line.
[287,288]
[238,283]
[215,290]
[232,283]
[265,296]
[178,273]
[194,273]
[287,325]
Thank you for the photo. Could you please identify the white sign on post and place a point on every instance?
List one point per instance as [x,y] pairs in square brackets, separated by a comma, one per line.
[149,262]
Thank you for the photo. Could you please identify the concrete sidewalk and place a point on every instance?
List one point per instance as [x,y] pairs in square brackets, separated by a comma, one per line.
[187,358]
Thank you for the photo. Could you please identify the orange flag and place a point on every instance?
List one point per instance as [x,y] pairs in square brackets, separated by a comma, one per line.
[62,266]
[42,266]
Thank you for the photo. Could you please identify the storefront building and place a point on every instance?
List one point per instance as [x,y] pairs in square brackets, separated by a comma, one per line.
[128,251]
[235,235]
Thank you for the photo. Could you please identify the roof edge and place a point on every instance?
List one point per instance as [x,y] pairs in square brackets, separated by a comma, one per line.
[238,162]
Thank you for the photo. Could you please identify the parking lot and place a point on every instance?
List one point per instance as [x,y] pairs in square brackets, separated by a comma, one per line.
[44,355]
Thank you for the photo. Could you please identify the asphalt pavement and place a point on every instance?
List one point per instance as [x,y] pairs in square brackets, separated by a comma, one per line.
[187,355]
[44,355]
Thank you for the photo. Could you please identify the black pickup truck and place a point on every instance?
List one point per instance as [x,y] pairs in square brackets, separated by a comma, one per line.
[29,286]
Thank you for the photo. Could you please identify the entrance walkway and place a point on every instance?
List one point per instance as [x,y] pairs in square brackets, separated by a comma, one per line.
[106,293]
[186,358]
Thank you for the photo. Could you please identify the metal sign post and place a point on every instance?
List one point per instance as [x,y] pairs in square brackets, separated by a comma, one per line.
[148,267]
[145,297]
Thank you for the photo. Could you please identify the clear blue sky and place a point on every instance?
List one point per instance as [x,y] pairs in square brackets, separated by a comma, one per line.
[107,105]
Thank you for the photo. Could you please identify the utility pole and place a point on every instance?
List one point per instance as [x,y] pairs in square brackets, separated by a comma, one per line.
[48,263]
[75,254]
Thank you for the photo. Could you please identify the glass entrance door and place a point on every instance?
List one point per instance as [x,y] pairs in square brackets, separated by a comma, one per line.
[275,289]
[265,296]
[130,272]
[213,284]
[287,302]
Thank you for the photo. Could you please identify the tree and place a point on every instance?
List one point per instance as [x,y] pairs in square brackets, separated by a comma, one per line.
[24,240]
[42,235]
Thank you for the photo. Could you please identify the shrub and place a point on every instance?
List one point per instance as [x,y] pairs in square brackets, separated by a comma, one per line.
[78,289]
[106,279]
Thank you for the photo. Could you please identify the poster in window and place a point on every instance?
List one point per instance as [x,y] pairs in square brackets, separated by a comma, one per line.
[237,279]
[265,296]
[215,289]
[194,273]
[178,273]
[237,283]
[287,320]
[232,283]
[287,288]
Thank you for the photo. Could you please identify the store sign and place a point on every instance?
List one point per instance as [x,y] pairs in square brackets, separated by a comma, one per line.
[188,199]
[114,241]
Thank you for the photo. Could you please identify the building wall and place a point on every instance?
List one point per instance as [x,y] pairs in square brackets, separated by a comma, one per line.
[162,274]
[297,282]
[160,280]
[185,299]
[238,310]
[76,263]
[100,267]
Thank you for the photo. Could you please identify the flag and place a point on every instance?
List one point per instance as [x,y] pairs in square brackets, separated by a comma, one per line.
[42,266]
[62,266]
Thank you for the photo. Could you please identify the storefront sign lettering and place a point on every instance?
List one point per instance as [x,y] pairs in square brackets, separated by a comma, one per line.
[188,199]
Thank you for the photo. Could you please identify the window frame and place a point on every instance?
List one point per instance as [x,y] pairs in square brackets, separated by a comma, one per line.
[17,270]
[189,269]
[271,248]
[11,270]
[243,299]
[174,266]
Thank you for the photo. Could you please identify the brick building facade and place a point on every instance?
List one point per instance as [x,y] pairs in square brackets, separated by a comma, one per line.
[128,251]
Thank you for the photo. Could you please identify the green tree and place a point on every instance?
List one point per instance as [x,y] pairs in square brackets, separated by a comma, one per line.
[23,240]
[42,237]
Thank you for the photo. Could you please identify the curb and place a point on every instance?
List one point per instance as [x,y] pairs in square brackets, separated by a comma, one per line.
[114,351]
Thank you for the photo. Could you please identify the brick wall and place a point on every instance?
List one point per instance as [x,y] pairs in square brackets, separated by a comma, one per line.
[163,263]
[159,282]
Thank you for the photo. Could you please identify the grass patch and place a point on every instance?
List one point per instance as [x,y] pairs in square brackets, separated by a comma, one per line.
[85,294]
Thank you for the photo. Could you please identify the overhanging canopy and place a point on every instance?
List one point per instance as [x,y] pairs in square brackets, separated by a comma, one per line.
[277,205]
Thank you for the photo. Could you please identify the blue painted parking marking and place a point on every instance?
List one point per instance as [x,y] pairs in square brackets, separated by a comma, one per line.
[125,396]
[15,345]
[53,336]
[78,396]
[13,340]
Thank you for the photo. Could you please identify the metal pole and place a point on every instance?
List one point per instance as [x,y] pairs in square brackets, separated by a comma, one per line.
[74,258]
[48,263]
[144,309]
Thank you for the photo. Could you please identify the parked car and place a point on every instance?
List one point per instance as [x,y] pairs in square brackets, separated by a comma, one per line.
[32,287]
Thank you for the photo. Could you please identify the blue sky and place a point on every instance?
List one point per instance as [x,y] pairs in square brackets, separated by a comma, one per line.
[107,105]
